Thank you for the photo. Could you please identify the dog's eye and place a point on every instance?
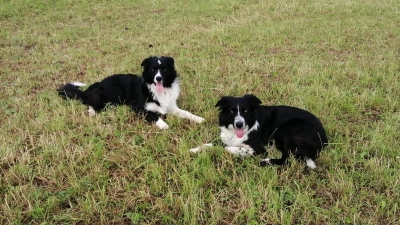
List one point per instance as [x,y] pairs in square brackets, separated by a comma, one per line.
[232,111]
[244,110]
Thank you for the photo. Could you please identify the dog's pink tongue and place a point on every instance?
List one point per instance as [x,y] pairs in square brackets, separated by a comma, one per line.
[239,133]
[159,87]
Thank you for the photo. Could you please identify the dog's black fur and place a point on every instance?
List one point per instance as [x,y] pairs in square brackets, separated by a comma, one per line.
[294,131]
[137,92]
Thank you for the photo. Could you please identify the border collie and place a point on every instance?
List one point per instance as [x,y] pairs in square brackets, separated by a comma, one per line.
[247,127]
[154,93]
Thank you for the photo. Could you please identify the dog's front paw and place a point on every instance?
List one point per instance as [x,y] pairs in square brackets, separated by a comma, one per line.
[265,162]
[194,150]
[240,151]
[198,149]
[198,119]
[161,124]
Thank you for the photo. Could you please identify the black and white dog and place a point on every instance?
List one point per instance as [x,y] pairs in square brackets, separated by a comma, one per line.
[247,127]
[154,93]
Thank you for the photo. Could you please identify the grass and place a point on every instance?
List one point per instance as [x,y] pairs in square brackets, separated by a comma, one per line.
[337,59]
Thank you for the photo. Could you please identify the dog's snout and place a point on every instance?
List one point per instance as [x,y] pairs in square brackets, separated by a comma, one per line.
[239,125]
[158,78]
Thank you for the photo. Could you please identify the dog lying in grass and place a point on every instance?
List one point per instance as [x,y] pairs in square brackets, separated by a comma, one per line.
[247,127]
[154,93]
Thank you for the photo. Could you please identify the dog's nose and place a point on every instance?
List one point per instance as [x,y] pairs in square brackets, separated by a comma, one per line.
[159,78]
[239,125]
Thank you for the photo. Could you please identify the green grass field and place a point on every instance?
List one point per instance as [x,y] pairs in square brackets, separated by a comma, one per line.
[338,59]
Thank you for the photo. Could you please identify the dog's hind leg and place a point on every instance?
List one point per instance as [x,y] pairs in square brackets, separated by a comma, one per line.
[284,158]
[306,151]
[308,160]
[91,111]
[94,99]
[282,161]
[310,163]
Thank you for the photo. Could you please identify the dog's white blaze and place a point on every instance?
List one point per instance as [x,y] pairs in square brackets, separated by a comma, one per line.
[229,138]
[311,163]
[78,84]
[159,62]
[239,118]
[158,74]
[161,124]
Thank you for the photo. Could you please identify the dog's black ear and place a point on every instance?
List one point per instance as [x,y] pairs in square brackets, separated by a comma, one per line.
[169,60]
[222,102]
[253,100]
[146,61]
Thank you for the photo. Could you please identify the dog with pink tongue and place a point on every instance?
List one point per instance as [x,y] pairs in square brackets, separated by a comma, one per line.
[154,94]
[250,128]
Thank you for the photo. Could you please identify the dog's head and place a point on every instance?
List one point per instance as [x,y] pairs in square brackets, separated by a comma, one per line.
[238,113]
[159,72]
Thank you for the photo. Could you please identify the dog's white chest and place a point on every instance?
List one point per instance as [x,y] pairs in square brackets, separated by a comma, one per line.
[167,99]
[229,138]
[234,144]
[168,96]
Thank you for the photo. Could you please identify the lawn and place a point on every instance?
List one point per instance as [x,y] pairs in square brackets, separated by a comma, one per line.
[337,59]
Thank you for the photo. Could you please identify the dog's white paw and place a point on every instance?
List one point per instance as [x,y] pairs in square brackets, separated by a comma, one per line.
[91,111]
[194,150]
[161,124]
[240,151]
[198,119]
[310,163]
[198,149]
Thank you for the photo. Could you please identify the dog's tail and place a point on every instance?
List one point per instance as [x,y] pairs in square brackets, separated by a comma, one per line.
[72,91]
